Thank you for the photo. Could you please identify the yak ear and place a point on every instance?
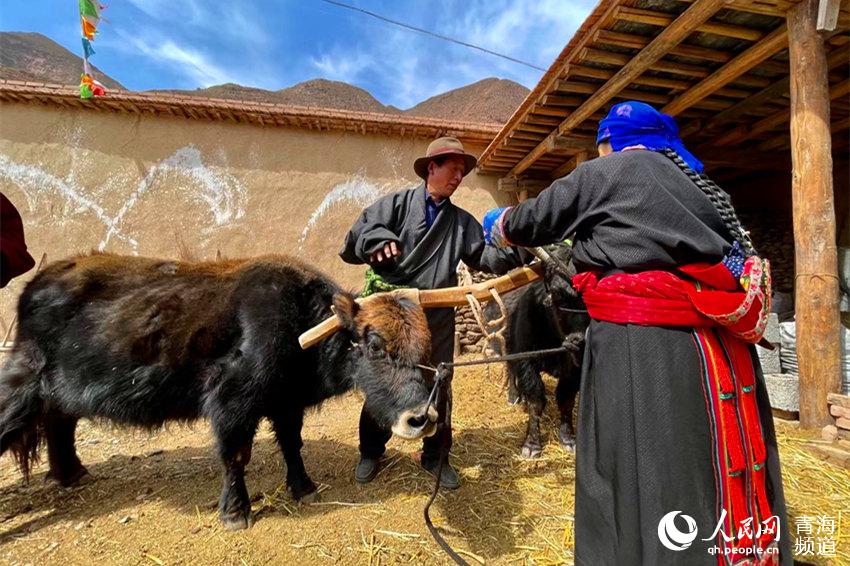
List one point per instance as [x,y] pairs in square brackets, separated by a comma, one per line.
[345,308]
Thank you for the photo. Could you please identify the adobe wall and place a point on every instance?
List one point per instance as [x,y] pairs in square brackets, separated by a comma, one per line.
[160,187]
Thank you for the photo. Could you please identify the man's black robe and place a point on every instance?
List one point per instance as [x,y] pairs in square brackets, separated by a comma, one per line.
[429,260]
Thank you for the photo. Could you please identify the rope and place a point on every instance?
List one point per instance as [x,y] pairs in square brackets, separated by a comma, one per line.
[440,372]
[486,326]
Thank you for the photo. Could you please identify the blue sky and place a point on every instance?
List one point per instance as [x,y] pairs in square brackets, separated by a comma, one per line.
[188,44]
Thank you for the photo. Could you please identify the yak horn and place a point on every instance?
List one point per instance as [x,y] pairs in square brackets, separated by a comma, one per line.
[436,298]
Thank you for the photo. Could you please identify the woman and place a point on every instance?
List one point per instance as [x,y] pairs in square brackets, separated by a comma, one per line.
[676,448]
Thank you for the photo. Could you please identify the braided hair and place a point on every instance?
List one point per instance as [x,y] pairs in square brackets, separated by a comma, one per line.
[719,198]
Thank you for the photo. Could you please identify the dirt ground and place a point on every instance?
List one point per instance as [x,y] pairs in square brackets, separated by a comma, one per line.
[152,498]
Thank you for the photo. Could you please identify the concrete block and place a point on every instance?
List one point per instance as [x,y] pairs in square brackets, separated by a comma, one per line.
[770,361]
[784,391]
[771,332]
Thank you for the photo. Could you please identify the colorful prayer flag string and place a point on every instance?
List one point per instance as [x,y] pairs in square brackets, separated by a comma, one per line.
[89,19]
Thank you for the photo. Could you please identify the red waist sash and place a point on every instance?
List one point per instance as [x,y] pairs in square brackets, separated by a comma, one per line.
[709,296]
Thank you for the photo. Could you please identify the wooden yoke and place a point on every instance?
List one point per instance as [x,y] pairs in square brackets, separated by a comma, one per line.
[437,298]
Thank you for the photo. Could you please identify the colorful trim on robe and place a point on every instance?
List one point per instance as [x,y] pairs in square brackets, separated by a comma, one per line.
[728,379]
[727,308]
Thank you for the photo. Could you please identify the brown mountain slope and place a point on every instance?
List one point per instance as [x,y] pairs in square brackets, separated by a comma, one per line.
[317,92]
[489,100]
[230,91]
[333,94]
[34,57]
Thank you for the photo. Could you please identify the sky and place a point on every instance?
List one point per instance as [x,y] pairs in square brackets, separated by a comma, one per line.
[188,44]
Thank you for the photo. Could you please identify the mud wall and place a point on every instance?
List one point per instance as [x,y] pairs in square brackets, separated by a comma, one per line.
[167,187]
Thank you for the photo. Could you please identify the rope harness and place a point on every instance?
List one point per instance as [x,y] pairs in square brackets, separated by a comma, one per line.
[440,382]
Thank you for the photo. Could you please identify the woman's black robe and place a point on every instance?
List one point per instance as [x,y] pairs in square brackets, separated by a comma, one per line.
[644,446]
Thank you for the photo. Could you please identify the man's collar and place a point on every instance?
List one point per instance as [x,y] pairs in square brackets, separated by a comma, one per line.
[429,198]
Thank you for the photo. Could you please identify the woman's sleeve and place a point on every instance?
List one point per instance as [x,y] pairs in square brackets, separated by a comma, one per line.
[553,215]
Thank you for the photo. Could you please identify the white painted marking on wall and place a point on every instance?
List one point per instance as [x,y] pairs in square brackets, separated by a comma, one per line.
[356,190]
[222,194]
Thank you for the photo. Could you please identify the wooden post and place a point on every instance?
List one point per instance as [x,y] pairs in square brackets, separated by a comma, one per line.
[816,281]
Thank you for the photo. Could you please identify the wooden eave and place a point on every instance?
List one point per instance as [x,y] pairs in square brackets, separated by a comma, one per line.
[242,112]
[721,68]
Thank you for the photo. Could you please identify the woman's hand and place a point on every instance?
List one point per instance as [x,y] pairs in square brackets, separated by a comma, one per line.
[493,224]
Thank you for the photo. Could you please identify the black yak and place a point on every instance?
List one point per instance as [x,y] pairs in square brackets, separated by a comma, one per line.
[143,341]
[545,314]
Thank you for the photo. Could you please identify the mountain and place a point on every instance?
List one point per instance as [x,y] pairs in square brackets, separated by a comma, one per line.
[34,57]
[490,100]
[317,92]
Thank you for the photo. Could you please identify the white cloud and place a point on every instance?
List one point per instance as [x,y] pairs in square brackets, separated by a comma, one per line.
[198,69]
[409,67]
[236,21]
[154,8]
[339,66]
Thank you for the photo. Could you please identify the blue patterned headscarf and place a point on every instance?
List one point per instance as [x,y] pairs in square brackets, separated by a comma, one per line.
[637,123]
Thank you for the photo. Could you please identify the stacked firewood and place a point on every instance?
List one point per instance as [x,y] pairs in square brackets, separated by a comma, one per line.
[773,238]
[839,408]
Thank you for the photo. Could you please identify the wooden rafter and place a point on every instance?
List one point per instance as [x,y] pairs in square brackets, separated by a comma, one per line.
[697,14]
[570,165]
[749,131]
[650,17]
[773,43]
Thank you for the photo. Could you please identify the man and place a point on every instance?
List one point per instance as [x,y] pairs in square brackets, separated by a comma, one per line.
[415,238]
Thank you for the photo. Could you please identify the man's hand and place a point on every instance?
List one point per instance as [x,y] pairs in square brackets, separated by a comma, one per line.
[390,251]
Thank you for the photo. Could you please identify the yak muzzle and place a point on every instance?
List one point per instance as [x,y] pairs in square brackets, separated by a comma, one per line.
[416,423]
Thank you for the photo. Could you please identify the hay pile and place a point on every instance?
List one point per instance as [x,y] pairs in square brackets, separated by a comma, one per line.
[154,497]
[814,487]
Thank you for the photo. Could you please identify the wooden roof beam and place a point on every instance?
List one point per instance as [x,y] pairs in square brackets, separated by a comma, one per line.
[621,60]
[748,131]
[671,67]
[571,164]
[549,78]
[661,19]
[513,184]
[773,43]
[679,29]
[605,74]
[569,143]
[775,91]
[773,8]
[559,100]
[639,42]
[555,112]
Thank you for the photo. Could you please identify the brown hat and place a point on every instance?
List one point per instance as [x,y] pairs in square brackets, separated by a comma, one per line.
[443,146]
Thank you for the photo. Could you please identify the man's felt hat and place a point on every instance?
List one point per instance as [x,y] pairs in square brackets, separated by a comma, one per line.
[443,146]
